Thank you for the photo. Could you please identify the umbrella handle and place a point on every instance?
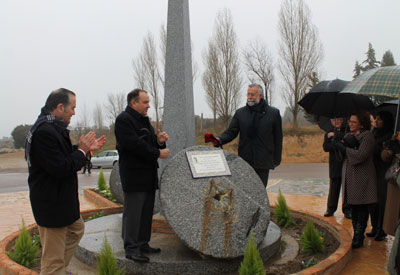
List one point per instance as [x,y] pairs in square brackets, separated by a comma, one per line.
[397,118]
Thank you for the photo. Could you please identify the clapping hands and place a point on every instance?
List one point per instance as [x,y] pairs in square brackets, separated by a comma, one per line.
[89,142]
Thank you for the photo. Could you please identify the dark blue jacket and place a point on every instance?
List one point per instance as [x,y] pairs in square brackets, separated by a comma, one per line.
[53,182]
[138,151]
[264,151]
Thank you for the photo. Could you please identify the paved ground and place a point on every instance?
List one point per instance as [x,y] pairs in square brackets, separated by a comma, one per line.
[305,187]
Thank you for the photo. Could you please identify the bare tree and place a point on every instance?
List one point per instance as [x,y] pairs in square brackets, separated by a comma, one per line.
[139,71]
[84,119]
[163,50]
[222,77]
[98,118]
[259,64]
[115,104]
[300,50]
[150,58]
[210,79]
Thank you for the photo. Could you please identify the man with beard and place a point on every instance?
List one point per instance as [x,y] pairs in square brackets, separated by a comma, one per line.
[260,128]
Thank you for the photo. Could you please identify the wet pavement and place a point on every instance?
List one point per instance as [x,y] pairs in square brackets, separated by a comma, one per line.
[302,191]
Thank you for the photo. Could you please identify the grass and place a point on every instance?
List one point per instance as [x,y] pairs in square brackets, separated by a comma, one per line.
[300,145]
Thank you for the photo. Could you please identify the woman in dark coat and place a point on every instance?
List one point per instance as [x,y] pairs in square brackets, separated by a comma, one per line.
[358,173]
[383,131]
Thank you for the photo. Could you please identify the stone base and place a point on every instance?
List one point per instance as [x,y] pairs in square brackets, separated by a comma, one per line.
[175,257]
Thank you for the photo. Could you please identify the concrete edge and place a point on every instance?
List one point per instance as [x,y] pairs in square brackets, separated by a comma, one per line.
[9,267]
[331,265]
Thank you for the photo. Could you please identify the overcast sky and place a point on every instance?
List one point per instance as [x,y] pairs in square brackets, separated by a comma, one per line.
[88,46]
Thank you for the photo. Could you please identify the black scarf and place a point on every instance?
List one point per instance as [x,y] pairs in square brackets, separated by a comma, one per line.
[256,111]
[45,116]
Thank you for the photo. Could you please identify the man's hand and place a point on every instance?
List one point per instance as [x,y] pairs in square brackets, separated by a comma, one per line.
[86,141]
[162,136]
[330,134]
[164,153]
[98,143]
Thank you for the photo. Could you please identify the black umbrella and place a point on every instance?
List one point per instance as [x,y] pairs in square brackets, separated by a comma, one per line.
[326,100]
[324,123]
[389,106]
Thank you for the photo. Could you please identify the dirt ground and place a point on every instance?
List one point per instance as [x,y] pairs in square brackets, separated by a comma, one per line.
[294,266]
[13,162]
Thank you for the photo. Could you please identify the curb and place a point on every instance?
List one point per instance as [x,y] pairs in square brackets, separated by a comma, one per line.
[331,265]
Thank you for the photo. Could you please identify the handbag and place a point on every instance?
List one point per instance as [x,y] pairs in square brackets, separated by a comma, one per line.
[392,173]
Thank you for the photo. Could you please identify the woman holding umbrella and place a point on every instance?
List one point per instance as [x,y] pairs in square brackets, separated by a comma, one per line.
[383,132]
[358,174]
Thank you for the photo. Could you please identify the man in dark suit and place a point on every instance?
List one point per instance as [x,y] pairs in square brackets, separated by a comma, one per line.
[260,128]
[139,148]
[53,183]
[335,168]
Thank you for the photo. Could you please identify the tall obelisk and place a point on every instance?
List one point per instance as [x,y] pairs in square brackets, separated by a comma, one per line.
[178,117]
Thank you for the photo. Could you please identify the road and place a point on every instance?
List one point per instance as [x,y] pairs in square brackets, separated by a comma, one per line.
[17,181]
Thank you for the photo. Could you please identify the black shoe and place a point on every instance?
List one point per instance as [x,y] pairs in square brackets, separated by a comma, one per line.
[347,215]
[328,213]
[149,249]
[137,257]
[380,236]
[372,234]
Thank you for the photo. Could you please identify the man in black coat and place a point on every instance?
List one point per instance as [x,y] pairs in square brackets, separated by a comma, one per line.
[335,168]
[139,148]
[260,128]
[53,183]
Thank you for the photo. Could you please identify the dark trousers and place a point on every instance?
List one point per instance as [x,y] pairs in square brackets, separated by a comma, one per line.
[333,196]
[263,174]
[89,166]
[377,210]
[359,217]
[137,220]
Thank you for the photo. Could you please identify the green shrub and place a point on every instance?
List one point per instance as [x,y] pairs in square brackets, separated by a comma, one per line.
[95,216]
[101,182]
[107,264]
[252,263]
[25,251]
[282,212]
[311,242]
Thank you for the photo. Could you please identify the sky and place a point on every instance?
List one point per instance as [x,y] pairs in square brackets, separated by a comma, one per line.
[88,46]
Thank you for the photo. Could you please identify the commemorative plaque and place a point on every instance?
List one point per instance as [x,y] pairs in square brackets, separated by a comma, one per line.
[205,164]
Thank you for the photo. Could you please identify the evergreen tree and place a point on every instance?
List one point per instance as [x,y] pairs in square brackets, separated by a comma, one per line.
[357,69]
[19,134]
[370,62]
[387,59]
[252,263]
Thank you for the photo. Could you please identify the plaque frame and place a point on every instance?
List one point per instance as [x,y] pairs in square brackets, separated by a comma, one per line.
[199,170]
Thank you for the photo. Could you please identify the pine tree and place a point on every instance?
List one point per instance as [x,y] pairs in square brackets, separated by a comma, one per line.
[370,62]
[101,182]
[25,251]
[252,263]
[107,263]
[387,59]
[357,69]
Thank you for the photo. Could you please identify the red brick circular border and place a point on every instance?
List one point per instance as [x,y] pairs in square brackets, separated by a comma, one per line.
[331,265]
